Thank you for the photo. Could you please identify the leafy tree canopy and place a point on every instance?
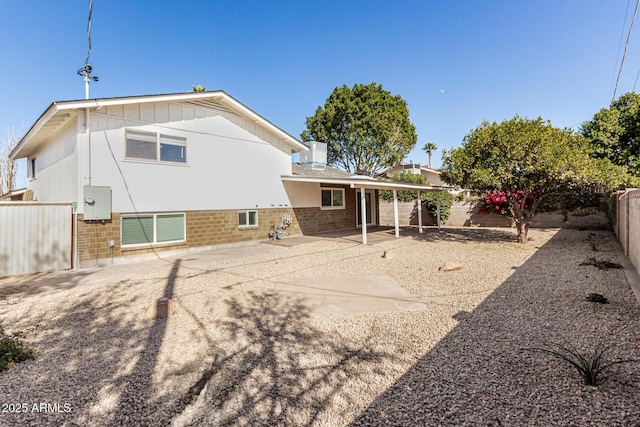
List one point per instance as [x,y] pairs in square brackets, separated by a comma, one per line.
[366,128]
[528,160]
[614,132]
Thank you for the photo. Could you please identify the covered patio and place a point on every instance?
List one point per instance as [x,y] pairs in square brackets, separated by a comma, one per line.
[363,183]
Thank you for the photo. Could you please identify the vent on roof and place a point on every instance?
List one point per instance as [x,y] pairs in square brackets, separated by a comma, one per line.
[316,157]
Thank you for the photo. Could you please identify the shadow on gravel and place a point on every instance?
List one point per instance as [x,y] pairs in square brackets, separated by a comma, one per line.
[104,357]
[479,374]
[282,371]
[466,235]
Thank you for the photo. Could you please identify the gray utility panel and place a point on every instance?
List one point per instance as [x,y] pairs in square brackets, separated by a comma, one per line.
[97,203]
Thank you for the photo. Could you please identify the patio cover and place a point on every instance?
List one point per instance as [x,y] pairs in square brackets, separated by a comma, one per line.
[330,176]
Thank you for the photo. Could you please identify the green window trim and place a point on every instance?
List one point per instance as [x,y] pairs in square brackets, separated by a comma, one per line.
[148,229]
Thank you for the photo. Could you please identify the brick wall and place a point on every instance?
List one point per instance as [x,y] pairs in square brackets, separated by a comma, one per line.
[204,228]
[315,220]
[212,228]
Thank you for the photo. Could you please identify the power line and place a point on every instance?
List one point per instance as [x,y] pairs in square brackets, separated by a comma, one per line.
[624,54]
[624,24]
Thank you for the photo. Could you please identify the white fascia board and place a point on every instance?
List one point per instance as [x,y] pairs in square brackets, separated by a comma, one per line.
[364,183]
[35,128]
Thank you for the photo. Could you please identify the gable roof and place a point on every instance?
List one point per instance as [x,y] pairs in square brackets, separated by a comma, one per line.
[60,112]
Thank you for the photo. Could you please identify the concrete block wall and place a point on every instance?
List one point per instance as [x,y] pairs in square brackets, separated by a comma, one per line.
[315,220]
[407,214]
[203,228]
[628,224]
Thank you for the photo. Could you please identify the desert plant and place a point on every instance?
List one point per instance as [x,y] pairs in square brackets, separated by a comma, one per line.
[13,349]
[601,299]
[593,241]
[590,366]
[601,263]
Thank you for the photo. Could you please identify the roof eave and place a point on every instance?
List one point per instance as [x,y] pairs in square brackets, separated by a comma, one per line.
[365,183]
[35,128]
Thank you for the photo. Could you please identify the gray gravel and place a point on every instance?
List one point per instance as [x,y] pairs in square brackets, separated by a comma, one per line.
[237,353]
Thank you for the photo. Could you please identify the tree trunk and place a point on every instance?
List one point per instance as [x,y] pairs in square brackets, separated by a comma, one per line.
[522,228]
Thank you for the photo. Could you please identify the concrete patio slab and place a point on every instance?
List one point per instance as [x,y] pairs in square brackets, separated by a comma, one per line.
[344,296]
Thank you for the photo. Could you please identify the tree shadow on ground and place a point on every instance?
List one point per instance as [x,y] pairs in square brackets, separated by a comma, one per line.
[266,364]
[94,354]
[280,369]
[481,374]
[466,235]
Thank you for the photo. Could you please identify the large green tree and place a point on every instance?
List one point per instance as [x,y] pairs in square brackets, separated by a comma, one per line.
[366,128]
[614,132]
[528,160]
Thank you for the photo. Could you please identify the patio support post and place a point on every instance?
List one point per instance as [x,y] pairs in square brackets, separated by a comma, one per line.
[363,216]
[395,212]
[438,208]
[419,213]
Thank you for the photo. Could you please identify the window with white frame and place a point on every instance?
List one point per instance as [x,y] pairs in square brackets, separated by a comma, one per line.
[155,147]
[248,218]
[152,228]
[332,198]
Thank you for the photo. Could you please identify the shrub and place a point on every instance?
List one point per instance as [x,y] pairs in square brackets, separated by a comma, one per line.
[429,199]
[13,349]
[601,299]
[590,366]
[601,263]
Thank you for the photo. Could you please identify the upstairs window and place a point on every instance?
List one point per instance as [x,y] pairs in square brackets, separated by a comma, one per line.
[155,147]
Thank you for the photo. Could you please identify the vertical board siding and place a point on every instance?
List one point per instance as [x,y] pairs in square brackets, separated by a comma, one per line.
[34,237]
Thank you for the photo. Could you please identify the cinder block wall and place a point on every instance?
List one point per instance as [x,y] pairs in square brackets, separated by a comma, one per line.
[407,214]
[204,228]
[628,224]
[315,220]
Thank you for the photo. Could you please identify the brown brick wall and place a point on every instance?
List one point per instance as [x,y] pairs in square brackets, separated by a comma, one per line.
[210,228]
[204,228]
[315,220]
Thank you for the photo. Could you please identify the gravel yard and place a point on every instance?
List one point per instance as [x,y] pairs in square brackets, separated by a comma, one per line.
[236,352]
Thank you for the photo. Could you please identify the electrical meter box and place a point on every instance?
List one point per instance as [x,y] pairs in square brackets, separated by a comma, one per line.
[97,203]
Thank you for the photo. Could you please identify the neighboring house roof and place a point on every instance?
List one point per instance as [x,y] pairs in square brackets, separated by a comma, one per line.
[59,113]
[13,194]
[302,173]
[401,165]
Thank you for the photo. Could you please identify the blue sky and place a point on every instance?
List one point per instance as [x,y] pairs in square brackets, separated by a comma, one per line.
[454,62]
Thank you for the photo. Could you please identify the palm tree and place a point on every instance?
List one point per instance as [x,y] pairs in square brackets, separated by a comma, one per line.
[199,88]
[429,147]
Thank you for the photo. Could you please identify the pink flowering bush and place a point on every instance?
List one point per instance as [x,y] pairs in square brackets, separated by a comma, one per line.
[500,202]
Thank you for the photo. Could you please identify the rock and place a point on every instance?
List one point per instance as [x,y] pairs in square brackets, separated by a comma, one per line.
[387,255]
[450,266]
[162,308]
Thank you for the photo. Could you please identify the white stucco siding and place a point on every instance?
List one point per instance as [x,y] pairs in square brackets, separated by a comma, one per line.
[56,165]
[228,167]
[303,194]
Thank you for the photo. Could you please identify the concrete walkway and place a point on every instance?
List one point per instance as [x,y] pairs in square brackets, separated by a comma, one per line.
[332,295]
